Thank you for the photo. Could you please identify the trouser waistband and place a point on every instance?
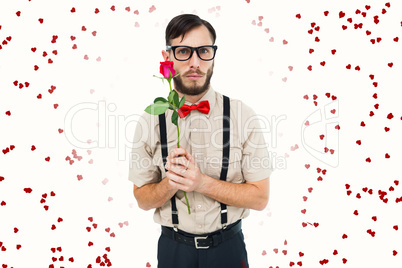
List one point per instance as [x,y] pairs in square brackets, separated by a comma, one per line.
[203,241]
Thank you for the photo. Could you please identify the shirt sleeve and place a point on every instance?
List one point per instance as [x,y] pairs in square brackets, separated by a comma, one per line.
[256,163]
[142,168]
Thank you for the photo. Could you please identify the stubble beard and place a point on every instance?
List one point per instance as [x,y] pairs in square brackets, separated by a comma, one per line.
[194,89]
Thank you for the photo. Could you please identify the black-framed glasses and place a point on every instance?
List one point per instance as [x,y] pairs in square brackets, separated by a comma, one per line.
[183,53]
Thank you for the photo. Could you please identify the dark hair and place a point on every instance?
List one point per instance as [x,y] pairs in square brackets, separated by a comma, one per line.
[181,24]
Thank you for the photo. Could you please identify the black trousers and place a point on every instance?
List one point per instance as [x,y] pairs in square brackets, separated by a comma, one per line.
[231,253]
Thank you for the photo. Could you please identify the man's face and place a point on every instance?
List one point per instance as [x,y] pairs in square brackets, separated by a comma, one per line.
[195,74]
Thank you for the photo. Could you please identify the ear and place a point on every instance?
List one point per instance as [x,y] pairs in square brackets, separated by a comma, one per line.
[165,55]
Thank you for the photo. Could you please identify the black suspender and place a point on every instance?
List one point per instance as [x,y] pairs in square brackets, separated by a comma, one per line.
[225,157]
[225,154]
[164,147]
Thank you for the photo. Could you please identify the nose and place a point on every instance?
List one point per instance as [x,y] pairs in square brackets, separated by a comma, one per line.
[194,61]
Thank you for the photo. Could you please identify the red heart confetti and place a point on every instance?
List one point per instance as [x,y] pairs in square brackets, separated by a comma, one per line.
[344,236]
[28,190]
[152,9]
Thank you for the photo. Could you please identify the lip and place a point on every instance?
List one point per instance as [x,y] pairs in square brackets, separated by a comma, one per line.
[194,77]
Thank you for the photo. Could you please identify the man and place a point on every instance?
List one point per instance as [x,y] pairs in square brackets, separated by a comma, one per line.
[220,192]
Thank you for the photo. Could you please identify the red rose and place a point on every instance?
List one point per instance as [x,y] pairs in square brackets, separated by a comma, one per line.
[167,69]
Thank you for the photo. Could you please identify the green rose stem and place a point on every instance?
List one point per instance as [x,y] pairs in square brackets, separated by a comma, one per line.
[173,102]
[178,141]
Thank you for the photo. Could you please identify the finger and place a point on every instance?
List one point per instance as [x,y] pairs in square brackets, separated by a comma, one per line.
[182,161]
[170,166]
[179,170]
[176,152]
[175,178]
[191,162]
[179,186]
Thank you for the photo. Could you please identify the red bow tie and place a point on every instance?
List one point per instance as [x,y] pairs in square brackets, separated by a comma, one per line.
[203,107]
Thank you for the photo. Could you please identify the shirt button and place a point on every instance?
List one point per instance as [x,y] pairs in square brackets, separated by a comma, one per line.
[200,226]
[199,206]
[194,130]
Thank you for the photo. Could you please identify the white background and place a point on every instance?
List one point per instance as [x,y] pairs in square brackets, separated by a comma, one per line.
[252,64]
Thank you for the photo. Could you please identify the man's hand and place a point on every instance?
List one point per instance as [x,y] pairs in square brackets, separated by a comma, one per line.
[183,174]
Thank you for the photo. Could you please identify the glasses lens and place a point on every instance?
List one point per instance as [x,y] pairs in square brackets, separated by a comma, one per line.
[182,53]
[206,53]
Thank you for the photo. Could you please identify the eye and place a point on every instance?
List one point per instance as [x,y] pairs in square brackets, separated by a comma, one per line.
[182,50]
[203,50]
